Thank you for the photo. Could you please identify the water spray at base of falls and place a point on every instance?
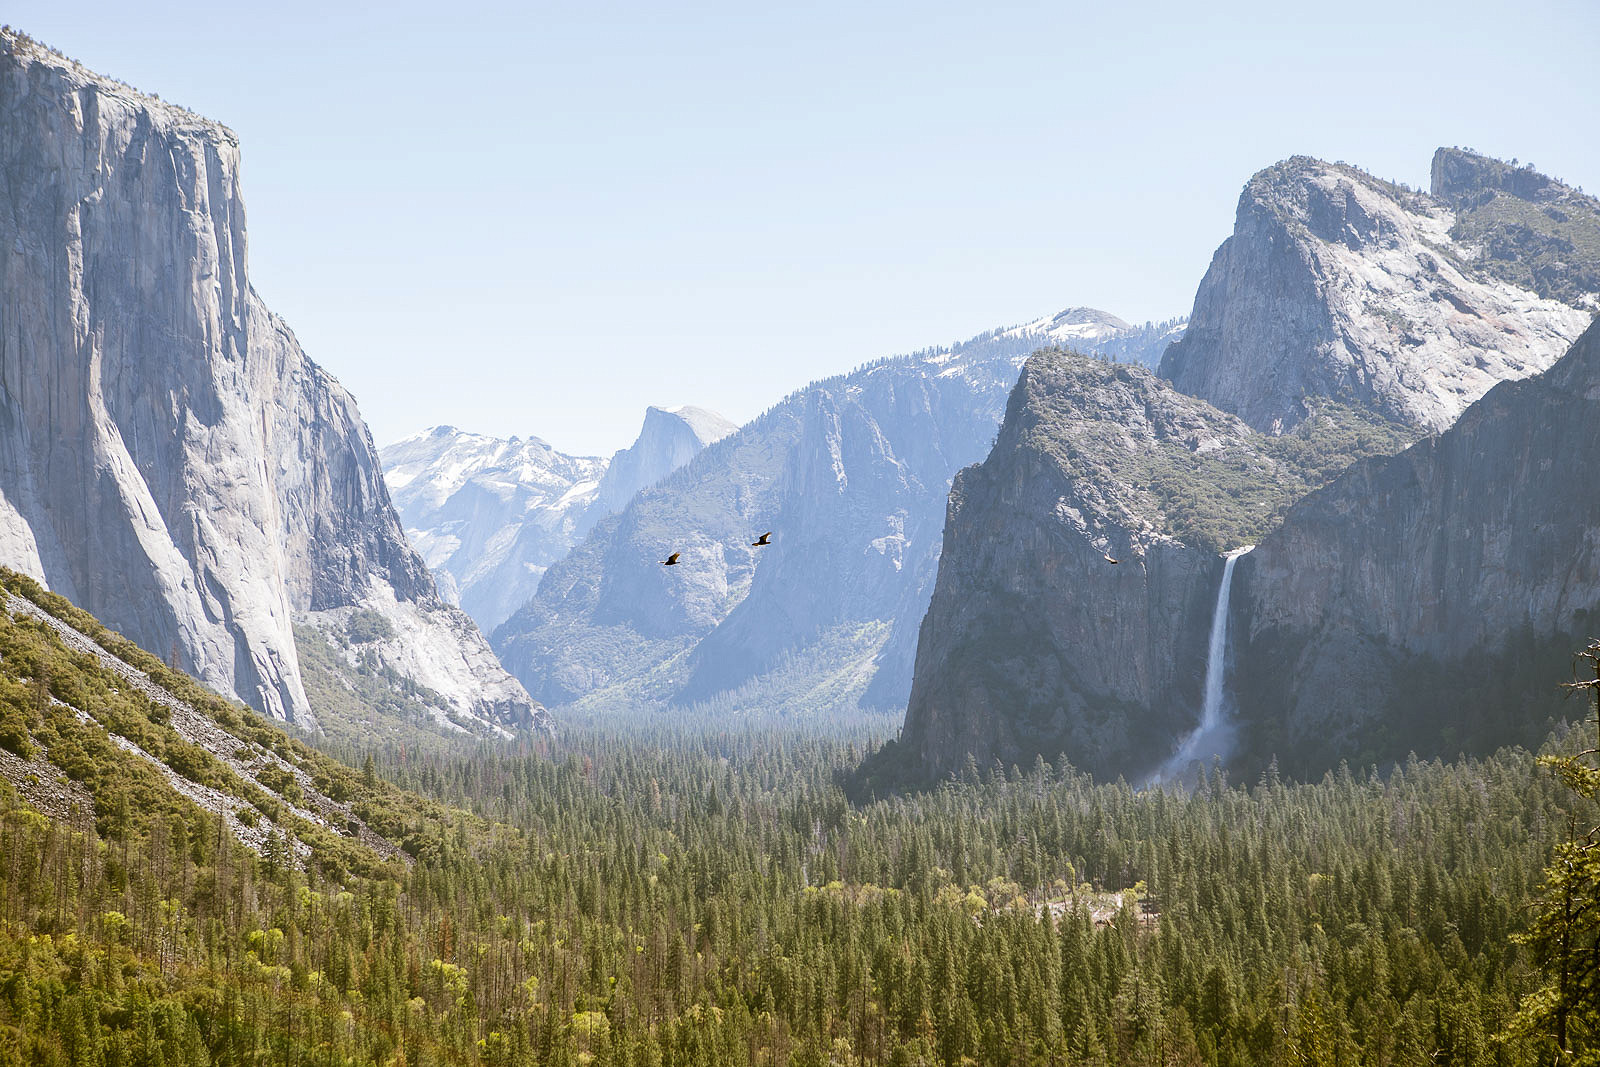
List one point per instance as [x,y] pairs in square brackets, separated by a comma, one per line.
[1214,735]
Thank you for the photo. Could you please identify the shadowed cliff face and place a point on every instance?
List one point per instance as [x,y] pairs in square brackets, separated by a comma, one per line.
[1344,317]
[1036,644]
[1336,284]
[1426,600]
[169,459]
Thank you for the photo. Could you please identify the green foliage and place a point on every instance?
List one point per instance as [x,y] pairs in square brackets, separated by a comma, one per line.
[366,626]
[1196,474]
[1563,1015]
[1550,247]
[663,892]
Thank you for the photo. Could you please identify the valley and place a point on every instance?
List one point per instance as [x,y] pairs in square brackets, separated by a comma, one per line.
[1211,690]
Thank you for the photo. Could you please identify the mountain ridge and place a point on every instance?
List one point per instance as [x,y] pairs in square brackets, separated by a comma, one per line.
[1337,284]
[851,472]
[1283,335]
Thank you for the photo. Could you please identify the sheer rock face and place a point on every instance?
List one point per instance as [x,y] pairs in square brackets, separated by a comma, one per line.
[669,439]
[1414,603]
[1336,284]
[852,474]
[1432,599]
[1035,644]
[169,459]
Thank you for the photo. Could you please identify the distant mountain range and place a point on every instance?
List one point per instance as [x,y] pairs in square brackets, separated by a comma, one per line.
[490,514]
[1367,389]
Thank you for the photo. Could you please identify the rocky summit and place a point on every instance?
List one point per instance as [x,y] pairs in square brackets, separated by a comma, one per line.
[488,514]
[1407,605]
[1336,284]
[169,457]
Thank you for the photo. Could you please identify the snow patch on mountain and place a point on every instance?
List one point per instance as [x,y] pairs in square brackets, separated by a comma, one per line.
[490,514]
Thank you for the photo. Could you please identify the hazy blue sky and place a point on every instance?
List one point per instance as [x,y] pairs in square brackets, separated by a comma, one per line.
[538,219]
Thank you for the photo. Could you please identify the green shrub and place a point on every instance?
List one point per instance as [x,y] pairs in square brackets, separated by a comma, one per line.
[366,626]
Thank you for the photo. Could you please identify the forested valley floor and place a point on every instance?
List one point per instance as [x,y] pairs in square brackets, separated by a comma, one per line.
[672,893]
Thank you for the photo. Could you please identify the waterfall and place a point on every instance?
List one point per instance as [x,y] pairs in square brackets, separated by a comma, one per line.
[1211,737]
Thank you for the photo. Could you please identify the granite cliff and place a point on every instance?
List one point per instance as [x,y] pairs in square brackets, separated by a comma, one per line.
[669,438]
[1079,563]
[1426,601]
[169,458]
[1343,319]
[1338,284]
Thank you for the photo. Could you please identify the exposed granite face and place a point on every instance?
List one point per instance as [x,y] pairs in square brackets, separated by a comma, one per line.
[851,473]
[1336,284]
[1431,601]
[1035,643]
[669,439]
[169,458]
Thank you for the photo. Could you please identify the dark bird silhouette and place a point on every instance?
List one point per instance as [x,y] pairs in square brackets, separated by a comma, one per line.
[1109,559]
[670,561]
[763,541]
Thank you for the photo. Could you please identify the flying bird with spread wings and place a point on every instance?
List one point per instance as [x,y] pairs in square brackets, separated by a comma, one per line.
[672,560]
[763,541]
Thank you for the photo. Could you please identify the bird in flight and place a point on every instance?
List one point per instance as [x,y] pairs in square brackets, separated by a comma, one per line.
[1108,557]
[763,541]
[670,561]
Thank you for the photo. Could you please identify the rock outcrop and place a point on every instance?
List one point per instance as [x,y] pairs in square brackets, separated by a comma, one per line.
[1071,610]
[169,458]
[1413,603]
[1431,600]
[1521,226]
[1336,284]
[851,473]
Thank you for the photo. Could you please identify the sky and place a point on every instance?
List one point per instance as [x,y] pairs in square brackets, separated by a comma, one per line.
[540,218]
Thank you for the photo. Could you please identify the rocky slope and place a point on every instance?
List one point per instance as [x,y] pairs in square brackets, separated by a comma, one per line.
[1035,642]
[1337,284]
[1425,601]
[1521,226]
[169,458]
[121,700]
[851,473]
